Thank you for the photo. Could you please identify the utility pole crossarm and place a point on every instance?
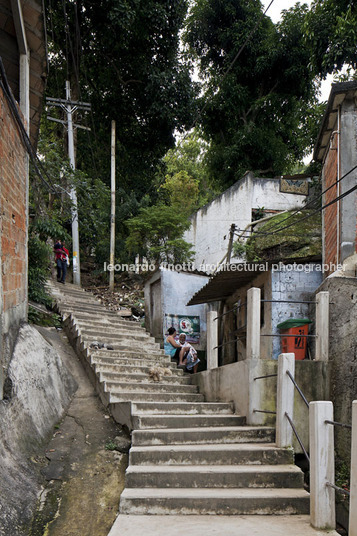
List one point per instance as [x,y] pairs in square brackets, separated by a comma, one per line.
[68,102]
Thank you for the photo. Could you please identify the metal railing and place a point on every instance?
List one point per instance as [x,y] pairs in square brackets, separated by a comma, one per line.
[329,484]
[236,308]
[297,387]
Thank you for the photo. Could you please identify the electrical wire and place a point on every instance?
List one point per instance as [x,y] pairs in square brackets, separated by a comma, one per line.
[76,68]
[316,198]
[320,209]
[22,130]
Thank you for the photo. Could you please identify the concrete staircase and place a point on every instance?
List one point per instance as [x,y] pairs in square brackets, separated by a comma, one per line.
[188,456]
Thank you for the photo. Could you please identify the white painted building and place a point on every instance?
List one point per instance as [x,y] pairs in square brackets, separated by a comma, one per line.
[210,225]
[166,294]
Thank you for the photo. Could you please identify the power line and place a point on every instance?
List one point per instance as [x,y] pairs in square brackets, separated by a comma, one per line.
[345,194]
[310,203]
[22,130]
[76,68]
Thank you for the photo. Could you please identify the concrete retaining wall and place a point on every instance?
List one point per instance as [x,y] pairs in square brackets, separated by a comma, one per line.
[41,388]
[343,355]
[231,383]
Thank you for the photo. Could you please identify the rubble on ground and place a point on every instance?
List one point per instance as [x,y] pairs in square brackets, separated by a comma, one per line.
[127,299]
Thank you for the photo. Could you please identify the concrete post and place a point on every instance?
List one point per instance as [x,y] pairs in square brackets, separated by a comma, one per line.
[285,400]
[212,340]
[253,323]
[322,466]
[322,326]
[352,530]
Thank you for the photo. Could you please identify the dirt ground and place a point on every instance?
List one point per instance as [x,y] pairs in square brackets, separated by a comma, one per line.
[83,465]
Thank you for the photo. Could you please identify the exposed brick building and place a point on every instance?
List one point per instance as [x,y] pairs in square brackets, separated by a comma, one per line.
[23,58]
[336,148]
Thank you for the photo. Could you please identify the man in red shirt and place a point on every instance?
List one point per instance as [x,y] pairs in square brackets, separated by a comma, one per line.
[62,258]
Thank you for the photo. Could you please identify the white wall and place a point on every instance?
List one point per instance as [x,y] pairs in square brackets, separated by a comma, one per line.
[177,288]
[297,285]
[212,222]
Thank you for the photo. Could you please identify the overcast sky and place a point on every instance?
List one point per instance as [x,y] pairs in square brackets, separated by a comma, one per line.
[278,5]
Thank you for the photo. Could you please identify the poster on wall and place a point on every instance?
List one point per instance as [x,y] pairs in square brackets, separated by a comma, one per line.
[290,185]
[190,325]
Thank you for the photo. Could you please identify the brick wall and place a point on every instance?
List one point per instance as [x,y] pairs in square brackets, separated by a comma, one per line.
[13,234]
[330,214]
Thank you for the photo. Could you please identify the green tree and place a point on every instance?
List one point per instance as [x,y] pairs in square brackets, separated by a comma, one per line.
[123,56]
[331,33]
[188,159]
[157,234]
[183,191]
[254,109]
[51,214]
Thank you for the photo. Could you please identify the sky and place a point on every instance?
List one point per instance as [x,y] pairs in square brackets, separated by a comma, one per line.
[274,12]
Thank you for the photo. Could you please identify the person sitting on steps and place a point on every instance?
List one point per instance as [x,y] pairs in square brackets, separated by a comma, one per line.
[191,361]
[175,350]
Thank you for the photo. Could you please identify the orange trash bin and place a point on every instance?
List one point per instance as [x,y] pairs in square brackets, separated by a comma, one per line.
[296,342]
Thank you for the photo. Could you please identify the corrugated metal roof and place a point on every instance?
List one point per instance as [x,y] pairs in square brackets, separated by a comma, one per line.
[225,282]
[338,94]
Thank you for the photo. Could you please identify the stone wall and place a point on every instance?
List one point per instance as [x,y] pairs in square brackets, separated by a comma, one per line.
[343,354]
[13,235]
[41,388]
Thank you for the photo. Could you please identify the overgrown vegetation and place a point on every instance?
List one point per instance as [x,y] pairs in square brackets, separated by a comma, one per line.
[257,112]
[302,239]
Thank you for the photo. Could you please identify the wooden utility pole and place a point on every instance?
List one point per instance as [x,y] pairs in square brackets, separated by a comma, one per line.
[70,107]
[230,243]
[112,211]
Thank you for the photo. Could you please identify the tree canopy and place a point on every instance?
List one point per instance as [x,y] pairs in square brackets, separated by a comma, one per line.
[254,106]
[123,57]
[131,59]
[331,34]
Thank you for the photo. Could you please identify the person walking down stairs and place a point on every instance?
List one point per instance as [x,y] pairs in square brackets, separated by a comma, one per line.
[62,260]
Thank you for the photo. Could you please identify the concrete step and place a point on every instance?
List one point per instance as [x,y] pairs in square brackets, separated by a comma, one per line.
[128,364]
[79,309]
[156,409]
[129,376]
[145,396]
[149,387]
[212,525]
[119,339]
[214,476]
[157,422]
[204,435]
[105,323]
[119,342]
[78,302]
[117,333]
[186,501]
[156,357]
[108,317]
[123,346]
[235,454]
